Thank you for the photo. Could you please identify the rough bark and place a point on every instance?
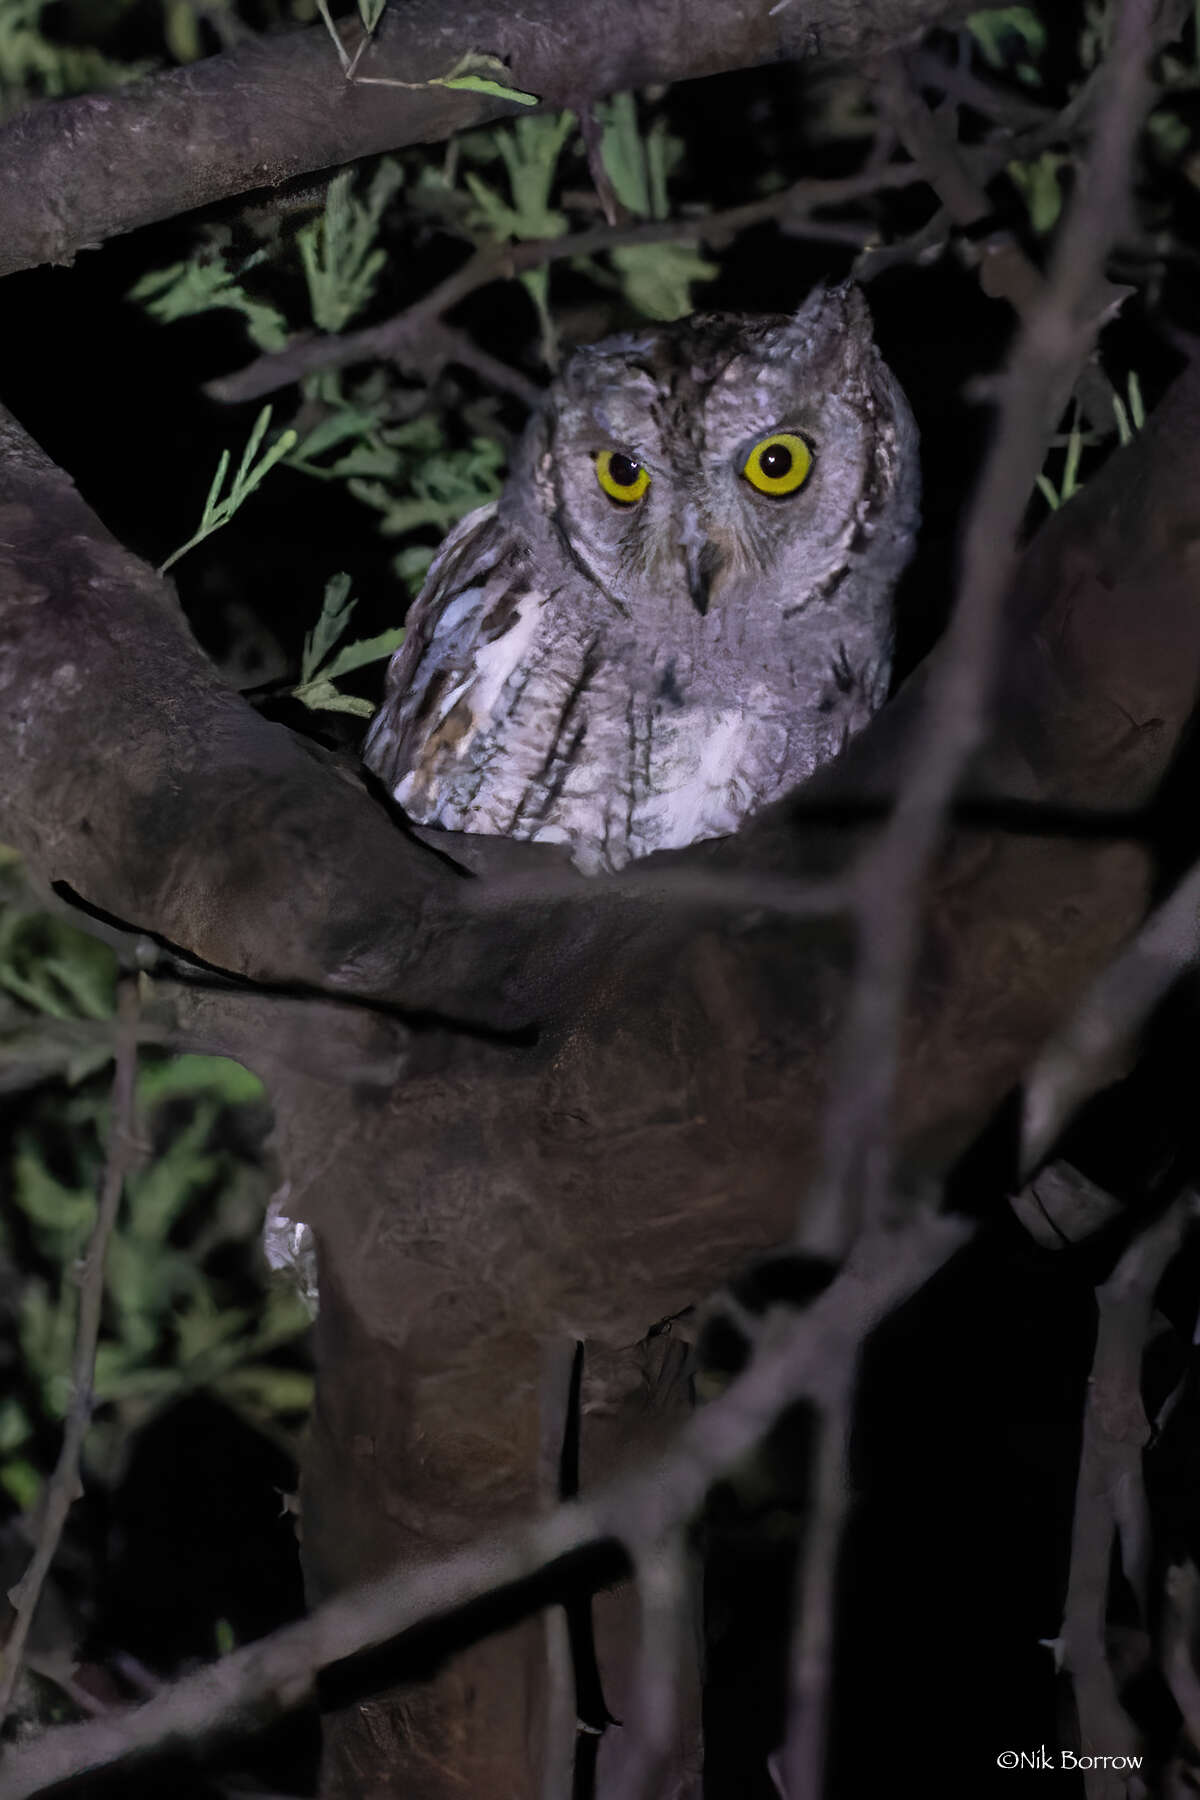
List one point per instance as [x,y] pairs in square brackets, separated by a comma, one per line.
[75,172]
[593,1176]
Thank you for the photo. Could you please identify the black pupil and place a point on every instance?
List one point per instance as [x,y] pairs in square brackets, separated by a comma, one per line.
[775,461]
[624,470]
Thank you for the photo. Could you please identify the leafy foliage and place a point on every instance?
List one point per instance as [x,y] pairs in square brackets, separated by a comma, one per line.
[175,1319]
[1010,37]
[321,667]
[339,250]
[204,284]
[219,508]
[1129,415]
[442,485]
[1038,183]
[657,278]
[529,150]
[35,66]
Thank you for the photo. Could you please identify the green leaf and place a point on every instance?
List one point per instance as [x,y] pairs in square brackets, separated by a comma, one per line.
[205,285]
[657,278]
[364,651]
[22,1481]
[62,1215]
[481,73]
[274,1392]
[999,29]
[181,29]
[53,967]
[322,696]
[479,84]
[1168,133]
[623,153]
[529,149]
[411,565]
[1039,186]
[336,608]
[318,673]
[14,1425]
[203,1328]
[216,1076]
[338,250]
[158,1194]
[218,508]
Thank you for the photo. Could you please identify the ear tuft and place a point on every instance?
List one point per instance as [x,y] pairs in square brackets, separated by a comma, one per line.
[839,307]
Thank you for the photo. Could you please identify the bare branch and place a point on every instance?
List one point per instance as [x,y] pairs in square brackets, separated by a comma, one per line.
[254,1684]
[1110,1500]
[1054,339]
[811,1664]
[1006,272]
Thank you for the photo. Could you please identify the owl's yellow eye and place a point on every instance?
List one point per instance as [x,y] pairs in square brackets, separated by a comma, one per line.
[621,478]
[779,464]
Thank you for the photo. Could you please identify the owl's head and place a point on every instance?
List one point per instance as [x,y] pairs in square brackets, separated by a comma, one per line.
[728,462]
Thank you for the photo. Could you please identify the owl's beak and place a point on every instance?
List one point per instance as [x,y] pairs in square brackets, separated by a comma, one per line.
[704,562]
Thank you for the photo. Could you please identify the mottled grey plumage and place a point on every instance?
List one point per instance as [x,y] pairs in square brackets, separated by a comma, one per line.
[626,677]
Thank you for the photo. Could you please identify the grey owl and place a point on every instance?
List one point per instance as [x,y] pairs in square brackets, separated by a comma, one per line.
[681,603]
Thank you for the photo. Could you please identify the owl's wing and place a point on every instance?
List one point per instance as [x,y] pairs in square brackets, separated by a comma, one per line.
[437,683]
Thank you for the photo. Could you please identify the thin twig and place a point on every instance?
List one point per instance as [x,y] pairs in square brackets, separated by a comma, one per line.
[811,1662]
[662,1578]
[1055,337]
[459,347]
[1003,104]
[958,179]
[1009,272]
[593,143]
[63,1487]
[254,1684]
[792,207]
[1110,1498]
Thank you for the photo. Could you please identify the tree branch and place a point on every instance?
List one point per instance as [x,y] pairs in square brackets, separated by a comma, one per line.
[63,1487]
[75,172]
[417,326]
[1056,335]
[253,1685]
[1110,1499]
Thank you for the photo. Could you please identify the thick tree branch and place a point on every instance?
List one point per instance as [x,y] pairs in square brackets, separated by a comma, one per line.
[1110,1500]
[251,1686]
[77,171]
[153,793]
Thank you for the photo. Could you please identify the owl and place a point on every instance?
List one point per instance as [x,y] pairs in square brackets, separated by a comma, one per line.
[681,603]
